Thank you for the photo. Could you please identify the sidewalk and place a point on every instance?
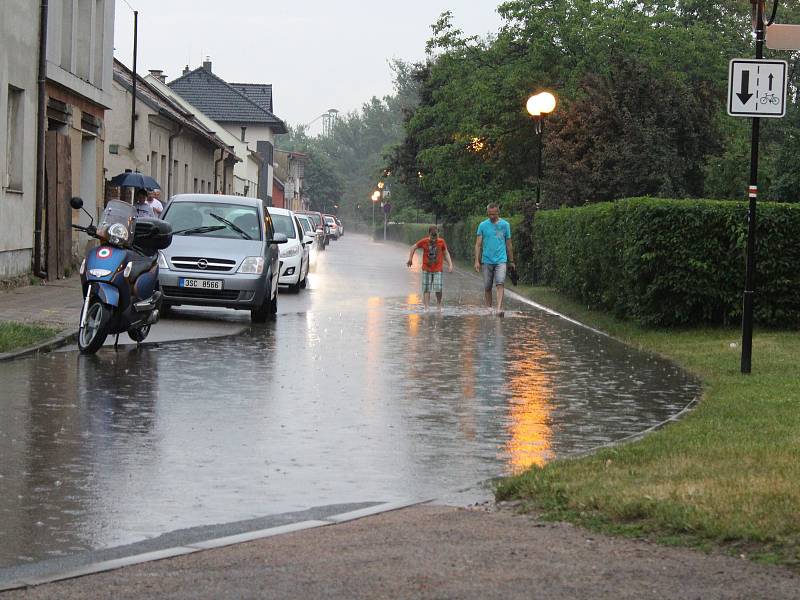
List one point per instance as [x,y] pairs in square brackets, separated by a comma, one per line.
[56,303]
[434,551]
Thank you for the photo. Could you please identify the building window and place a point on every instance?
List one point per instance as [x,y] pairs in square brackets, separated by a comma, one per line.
[186,179]
[15,140]
[195,185]
[154,165]
[163,180]
[244,134]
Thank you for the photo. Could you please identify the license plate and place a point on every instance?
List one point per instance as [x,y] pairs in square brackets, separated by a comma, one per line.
[203,284]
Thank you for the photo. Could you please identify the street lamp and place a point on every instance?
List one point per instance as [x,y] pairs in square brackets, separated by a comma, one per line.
[540,105]
[376,195]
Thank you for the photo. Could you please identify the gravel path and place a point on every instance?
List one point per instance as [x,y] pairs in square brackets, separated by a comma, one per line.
[437,552]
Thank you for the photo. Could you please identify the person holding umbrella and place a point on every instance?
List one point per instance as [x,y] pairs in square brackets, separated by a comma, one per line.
[142,206]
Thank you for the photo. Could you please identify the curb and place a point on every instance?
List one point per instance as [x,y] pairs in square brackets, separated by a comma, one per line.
[62,339]
[136,559]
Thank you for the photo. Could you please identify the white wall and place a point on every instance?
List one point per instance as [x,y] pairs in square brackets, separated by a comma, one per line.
[19,33]
[253,135]
[80,46]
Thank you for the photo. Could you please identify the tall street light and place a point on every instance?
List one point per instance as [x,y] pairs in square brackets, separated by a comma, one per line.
[539,106]
[376,196]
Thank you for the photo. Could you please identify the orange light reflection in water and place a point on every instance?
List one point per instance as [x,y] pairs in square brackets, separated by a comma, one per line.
[530,431]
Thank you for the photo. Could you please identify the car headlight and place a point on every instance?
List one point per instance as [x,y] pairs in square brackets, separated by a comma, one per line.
[162,261]
[289,252]
[118,233]
[252,265]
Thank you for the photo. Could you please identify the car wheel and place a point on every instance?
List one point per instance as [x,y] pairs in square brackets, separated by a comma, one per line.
[260,314]
[273,307]
[304,283]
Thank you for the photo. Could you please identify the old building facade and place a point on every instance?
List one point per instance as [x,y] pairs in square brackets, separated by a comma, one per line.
[77,49]
[245,111]
[166,142]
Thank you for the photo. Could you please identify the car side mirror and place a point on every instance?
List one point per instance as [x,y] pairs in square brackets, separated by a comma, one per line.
[279,238]
[76,202]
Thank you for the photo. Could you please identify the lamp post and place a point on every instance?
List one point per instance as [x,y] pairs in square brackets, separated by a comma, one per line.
[540,105]
[376,195]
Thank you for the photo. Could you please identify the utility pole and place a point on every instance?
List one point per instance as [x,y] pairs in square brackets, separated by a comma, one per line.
[133,101]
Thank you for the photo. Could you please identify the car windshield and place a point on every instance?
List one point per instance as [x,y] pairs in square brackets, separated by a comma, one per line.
[283,224]
[330,221]
[214,219]
[315,220]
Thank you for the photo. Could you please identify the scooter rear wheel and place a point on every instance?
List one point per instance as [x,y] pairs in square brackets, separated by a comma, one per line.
[94,333]
[138,335]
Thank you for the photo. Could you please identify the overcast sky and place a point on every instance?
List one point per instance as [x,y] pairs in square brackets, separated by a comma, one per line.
[317,54]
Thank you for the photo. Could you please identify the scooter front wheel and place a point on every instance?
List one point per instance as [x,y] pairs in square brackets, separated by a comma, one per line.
[95,331]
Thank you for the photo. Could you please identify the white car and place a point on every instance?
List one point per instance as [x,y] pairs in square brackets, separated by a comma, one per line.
[317,237]
[294,253]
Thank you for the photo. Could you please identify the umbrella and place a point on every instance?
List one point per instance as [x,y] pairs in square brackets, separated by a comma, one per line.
[135,179]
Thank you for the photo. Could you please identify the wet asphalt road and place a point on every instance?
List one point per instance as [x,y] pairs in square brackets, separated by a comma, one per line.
[353,395]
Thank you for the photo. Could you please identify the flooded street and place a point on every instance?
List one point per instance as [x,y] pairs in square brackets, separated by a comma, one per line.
[354,394]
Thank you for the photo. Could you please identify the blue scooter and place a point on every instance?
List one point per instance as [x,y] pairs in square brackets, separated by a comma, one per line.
[120,276]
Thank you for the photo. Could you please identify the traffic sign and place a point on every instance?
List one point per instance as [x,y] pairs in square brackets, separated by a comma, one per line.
[757,88]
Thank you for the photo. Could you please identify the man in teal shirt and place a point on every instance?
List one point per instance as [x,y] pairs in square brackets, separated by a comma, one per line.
[493,251]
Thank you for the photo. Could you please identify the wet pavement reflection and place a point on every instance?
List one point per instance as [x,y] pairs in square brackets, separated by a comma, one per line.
[354,394]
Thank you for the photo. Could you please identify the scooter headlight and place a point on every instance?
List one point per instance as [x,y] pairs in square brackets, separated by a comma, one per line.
[118,233]
[162,261]
[252,265]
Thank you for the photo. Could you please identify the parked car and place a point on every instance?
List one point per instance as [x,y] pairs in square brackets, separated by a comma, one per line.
[224,253]
[331,228]
[339,225]
[294,253]
[309,230]
[319,225]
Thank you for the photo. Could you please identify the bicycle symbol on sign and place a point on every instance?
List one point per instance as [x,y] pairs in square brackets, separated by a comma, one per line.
[771,98]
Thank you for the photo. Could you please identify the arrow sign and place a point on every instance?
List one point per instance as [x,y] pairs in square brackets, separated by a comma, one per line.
[757,88]
[745,94]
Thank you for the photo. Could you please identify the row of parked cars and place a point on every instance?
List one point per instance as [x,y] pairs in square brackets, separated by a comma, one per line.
[231,251]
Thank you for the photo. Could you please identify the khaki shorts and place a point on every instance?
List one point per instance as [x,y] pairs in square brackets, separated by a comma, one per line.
[493,275]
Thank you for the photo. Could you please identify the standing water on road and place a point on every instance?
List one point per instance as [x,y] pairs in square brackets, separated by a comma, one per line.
[353,395]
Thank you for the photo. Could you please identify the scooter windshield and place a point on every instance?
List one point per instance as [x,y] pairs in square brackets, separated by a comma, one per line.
[117,223]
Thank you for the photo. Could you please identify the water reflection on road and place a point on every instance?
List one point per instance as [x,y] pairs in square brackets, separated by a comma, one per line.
[354,394]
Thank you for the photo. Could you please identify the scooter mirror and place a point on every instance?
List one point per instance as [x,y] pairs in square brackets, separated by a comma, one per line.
[76,202]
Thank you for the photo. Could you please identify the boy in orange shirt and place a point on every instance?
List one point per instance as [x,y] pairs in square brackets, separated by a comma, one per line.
[434,252]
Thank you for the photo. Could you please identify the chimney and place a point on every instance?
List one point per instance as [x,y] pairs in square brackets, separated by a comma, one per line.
[185,70]
[159,74]
[207,64]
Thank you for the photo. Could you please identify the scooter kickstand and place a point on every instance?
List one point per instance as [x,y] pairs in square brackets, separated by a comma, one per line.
[116,343]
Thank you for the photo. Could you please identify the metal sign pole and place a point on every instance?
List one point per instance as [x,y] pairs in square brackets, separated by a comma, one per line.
[747,305]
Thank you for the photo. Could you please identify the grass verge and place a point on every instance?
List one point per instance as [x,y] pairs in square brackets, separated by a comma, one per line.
[16,336]
[727,476]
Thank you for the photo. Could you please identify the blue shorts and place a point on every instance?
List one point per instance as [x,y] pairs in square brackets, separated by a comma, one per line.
[493,275]
[431,281]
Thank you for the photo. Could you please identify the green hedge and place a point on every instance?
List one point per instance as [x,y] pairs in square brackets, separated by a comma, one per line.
[671,262]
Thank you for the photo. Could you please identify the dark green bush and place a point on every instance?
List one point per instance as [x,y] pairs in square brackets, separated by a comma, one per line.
[671,262]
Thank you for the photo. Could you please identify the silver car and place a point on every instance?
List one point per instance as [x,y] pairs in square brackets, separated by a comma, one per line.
[223,253]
